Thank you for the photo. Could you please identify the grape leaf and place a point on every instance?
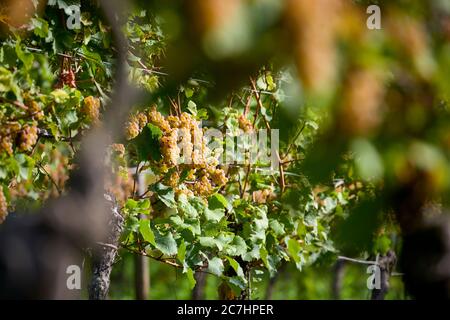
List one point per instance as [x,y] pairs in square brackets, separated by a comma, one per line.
[146,231]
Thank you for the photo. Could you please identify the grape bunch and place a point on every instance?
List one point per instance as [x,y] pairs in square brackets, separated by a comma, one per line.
[28,137]
[245,124]
[6,144]
[35,111]
[91,108]
[13,133]
[20,134]
[184,152]
[8,132]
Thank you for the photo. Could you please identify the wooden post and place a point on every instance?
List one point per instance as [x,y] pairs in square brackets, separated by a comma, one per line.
[141,263]
[338,275]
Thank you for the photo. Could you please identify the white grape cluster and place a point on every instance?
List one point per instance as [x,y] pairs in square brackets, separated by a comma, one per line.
[23,136]
[28,137]
[184,150]
[91,108]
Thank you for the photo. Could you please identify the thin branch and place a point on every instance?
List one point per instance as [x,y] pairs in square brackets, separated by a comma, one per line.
[282,180]
[108,245]
[174,106]
[14,102]
[247,105]
[57,53]
[293,140]
[268,93]
[150,71]
[179,104]
[136,176]
[166,261]
[50,177]
[259,105]
[357,260]
[285,162]
[246,180]
[24,116]
[35,145]
[71,141]
[397,274]
[241,100]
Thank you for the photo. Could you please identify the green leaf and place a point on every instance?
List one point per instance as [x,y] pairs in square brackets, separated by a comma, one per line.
[192,108]
[237,247]
[185,207]
[210,242]
[271,85]
[193,225]
[202,114]
[93,56]
[215,266]
[277,227]
[69,119]
[270,261]
[382,244]
[144,205]
[253,254]
[26,57]
[236,267]
[131,225]
[264,254]
[60,96]
[194,256]
[147,143]
[237,284]
[134,207]
[6,79]
[166,243]
[294,250]
[191,279]
[217,201]
[40,28]
[131,204]
[3,173]
[214,215]
[24,166]
[165,194]
[184,174]
[261,222]
[146,231]
[181,255]
[188,92]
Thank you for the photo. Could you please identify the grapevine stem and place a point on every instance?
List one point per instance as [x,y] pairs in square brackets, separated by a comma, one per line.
[13,102]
